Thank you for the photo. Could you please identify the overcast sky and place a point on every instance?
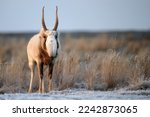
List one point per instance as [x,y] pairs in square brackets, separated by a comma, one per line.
[89,15]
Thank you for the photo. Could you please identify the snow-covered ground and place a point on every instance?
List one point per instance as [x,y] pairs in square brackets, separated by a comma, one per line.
[76,94]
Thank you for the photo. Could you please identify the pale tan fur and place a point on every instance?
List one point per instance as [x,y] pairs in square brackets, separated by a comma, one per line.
[37,54]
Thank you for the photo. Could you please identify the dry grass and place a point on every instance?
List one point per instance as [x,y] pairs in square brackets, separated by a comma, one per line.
[113,69]
[98,63]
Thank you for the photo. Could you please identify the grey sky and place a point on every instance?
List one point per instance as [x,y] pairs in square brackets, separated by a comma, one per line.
[91,15]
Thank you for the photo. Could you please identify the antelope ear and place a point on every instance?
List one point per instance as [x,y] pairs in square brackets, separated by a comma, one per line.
[42,33]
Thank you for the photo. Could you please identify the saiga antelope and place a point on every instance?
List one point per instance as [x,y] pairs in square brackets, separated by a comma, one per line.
[42,49]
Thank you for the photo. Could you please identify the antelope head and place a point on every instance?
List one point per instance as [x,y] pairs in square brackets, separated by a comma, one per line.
[49,38]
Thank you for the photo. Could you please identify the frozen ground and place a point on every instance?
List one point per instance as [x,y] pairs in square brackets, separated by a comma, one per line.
[76,94]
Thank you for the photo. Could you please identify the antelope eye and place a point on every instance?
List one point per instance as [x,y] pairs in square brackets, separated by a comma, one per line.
[56,36]
[44,37]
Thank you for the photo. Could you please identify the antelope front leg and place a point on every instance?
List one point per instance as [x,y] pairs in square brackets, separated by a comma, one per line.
[31,66]
[41,81]
[50,76]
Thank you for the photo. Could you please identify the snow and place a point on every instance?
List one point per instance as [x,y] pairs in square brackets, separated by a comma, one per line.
[81,94]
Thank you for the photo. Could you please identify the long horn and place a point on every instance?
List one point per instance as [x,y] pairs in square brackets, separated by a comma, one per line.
[56,22]
[43,22]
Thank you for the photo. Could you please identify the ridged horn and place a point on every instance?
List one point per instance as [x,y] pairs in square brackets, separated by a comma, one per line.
[43,22]
[56,21]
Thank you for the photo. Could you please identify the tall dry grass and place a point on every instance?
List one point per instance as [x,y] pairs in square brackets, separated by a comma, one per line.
[98,63]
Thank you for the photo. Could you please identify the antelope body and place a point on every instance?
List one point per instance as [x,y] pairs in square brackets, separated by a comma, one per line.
[42,49]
